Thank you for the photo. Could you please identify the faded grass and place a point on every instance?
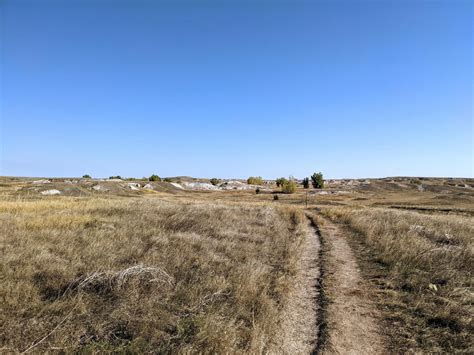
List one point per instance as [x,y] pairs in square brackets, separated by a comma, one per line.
[146,275]
[427,278]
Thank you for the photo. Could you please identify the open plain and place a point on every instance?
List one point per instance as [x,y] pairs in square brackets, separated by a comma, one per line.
[372,265]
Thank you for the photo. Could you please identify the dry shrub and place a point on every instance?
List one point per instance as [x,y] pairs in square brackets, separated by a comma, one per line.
[141,275]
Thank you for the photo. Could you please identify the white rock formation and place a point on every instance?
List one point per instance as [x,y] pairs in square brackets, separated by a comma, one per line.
[44,181]
[51,192]
[133,186]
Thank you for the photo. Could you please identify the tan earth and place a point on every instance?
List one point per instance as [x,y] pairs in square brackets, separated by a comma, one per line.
[350,313]
[330,311]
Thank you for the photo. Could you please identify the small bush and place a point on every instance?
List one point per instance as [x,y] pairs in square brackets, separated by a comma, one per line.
[288,187]
[87,176]
[306,183]
[317,180]
[115,177]
[167,180]
[257,190]
[255,180]
[154,177]
[280,181]
[214,181]
[275,197]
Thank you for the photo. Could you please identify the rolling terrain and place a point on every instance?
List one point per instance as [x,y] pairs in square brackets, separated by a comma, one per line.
[361,266]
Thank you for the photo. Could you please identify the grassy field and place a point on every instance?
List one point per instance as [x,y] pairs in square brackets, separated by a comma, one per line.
[167,270]
[146,274]
[423,266]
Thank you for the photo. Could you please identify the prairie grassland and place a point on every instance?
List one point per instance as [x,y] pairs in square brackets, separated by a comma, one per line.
[424,265]
[142,274]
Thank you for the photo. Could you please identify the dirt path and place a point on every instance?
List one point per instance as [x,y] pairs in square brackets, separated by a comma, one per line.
[303,309]
[330,311]
[349,313]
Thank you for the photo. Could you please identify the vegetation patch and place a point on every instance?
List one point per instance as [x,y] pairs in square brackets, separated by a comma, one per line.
[145,275]
[422,265]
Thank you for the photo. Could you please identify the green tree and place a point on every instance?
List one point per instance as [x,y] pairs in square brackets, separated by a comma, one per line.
[317,180]
[115,177]
[306,183]
[86,176]
[288,187]
[154,177]
[280,181]
[214,181]
[255,180]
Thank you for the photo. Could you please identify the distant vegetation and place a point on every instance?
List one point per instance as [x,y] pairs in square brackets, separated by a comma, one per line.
[306,183]
[214,181]
[154,177]
[168,180]
[288,186]
[115,177]
[87,176]
[255,180]
[317,180]
[280,181]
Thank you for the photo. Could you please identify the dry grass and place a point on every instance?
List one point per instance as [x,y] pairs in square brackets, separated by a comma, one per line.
[212,272]
[427,263]
[145,275]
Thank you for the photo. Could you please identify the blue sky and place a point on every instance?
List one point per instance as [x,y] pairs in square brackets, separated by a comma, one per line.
[236,88]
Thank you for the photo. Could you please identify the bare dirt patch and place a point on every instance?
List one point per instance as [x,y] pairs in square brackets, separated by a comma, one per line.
[351,316]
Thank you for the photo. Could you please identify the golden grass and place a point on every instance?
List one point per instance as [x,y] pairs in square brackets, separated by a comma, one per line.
[129,274]
[199,271]
[429,260]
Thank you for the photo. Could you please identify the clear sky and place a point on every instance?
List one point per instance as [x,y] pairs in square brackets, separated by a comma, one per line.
[236,88]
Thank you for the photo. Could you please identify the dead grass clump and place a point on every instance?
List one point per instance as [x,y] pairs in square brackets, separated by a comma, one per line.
[116,280]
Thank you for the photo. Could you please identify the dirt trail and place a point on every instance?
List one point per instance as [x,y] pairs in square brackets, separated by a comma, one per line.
[330,311]
[350,314]
[303,309]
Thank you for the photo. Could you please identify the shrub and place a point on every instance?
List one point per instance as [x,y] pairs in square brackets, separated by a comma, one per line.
[280,181]
[255,180]
[288,187]
[257,190]
[115,177]
[168,180]
[154,177]
[214,181]
[87,176]
[317,180]
[306,183]
[275,197]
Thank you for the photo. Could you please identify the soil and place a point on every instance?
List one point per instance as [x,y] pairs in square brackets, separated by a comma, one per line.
[346,310]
